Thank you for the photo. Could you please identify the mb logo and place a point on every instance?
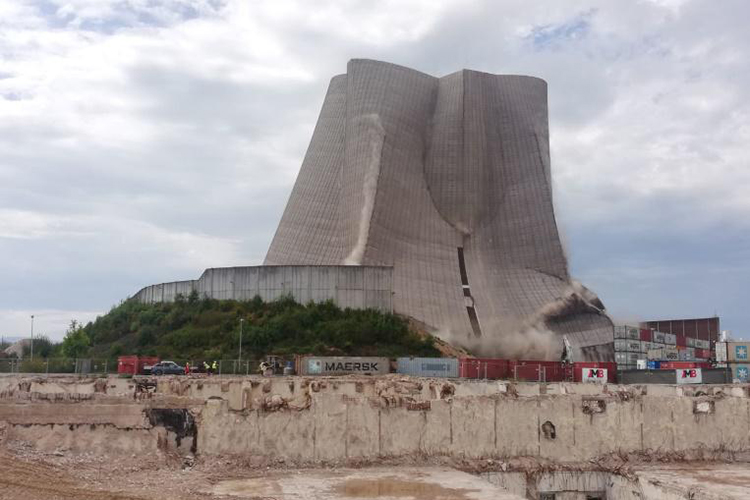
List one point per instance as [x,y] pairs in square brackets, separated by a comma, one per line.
[596,373]
[689,374]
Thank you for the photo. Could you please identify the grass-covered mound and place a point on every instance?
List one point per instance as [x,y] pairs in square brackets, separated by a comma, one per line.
[195,328]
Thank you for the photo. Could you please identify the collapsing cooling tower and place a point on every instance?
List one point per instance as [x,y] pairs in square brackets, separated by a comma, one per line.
[448,181]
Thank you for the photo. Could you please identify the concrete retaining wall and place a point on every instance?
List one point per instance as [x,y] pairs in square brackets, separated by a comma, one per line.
[348,286]
[336,418]
[341,420]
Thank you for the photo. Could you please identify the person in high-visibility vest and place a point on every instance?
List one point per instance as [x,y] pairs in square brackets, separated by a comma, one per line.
[214,367]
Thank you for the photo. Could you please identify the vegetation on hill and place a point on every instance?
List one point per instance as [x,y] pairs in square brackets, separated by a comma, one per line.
[196,328]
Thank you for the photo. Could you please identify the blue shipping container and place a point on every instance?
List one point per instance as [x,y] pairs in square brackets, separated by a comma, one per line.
[428,367]
[654,365]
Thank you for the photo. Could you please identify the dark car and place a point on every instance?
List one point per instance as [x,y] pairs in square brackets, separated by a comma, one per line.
[167,368]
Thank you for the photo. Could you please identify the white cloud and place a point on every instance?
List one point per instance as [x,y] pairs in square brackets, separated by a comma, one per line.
[141,141]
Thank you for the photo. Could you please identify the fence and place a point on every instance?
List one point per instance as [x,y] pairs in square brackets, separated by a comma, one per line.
[94,366]
[40,366]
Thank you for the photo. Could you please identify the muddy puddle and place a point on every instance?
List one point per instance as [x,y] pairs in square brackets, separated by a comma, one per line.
[378,484]
[389,487]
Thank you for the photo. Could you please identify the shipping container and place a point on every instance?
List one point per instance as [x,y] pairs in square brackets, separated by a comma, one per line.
[702,344]
[697,328]
[483,368]
[627,345]
[665,353]
[653,365]
[687,354]
[609,366]
[621,332]
[670,339]
[145,363]
[738,351]
[657,337]
[645,335]
[690,342]
[680,340]
[135,365]
[721,352]
[537,371]
[342,365]
[740,372]
[679,365]
[703,353]
[428,367]
[127,365]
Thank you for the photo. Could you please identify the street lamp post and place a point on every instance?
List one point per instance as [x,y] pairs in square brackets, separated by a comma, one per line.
[239,357]
[32,337]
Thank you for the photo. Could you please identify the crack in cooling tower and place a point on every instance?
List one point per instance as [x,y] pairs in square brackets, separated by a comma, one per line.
[470,306]
[376,135]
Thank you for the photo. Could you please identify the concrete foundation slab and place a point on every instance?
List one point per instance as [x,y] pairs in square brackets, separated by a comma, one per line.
[379,483]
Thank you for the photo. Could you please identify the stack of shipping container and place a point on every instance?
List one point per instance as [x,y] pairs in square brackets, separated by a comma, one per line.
[734,355]
[628,347]
[645,348]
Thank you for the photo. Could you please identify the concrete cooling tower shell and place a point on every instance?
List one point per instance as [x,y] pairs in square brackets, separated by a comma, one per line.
[448,181]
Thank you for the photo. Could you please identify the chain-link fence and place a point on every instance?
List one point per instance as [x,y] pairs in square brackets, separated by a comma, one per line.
[93,366]
[48,366]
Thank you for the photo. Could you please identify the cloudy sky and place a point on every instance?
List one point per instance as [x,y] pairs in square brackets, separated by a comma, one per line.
[142,141]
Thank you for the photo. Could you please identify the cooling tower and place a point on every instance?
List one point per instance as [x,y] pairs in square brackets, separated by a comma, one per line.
[448,181]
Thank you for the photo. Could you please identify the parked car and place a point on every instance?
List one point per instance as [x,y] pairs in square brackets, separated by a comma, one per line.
[167,368]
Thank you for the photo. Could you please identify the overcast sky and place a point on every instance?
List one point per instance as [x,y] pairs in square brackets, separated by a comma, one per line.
[142,141]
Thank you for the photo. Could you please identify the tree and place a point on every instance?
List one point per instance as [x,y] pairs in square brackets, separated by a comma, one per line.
[76,342]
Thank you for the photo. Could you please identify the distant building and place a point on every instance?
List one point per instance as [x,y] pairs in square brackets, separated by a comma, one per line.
[697,328]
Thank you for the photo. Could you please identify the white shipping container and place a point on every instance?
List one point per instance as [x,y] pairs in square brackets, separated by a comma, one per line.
[670,339]
[690,342]
[721,352]
[343,365]
[664,354]
[627,345]
[621,345]
[687,354]
[689,376]
[657,337]
[429,367]
[634,333]
[621,332]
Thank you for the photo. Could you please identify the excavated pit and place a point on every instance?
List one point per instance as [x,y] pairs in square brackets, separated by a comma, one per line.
[577,441]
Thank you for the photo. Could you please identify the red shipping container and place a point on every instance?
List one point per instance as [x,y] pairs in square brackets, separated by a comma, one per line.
[127,365]
[681,340]
[483,368]
[610,367]
[682,365]
[536,371]
[645,335]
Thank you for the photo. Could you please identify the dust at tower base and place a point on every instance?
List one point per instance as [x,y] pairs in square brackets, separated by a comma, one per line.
[448,181]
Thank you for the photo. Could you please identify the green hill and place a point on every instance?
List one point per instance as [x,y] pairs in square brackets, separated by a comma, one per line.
[195,328]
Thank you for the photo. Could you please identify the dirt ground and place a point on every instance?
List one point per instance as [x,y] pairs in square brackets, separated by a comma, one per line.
[30,474]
